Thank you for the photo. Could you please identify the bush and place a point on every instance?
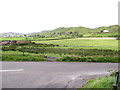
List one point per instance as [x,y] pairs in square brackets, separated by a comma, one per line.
[68,59]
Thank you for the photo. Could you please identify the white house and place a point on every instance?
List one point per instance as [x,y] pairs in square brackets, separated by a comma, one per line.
[105,31]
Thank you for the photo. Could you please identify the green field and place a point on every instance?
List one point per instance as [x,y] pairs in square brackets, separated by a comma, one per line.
[12,38]
[22,38]
[91,50]
[83,43]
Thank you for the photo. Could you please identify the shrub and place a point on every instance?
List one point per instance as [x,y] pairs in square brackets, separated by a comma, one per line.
[68,59]
[89,59]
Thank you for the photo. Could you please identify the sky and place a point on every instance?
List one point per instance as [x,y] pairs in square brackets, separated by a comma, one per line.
[25,16]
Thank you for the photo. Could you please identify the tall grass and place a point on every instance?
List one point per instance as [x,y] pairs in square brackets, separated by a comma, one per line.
[18,56]
[89,59]
[105,82]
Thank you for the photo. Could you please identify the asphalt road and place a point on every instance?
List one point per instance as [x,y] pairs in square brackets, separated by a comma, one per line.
[51,74]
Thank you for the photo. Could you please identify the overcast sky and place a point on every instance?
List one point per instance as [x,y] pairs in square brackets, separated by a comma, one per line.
[36,15]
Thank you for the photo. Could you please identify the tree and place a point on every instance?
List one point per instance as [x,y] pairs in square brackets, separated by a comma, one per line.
[25,36]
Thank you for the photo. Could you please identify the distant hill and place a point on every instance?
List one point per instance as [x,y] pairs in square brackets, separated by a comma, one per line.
[14,34]
[11,34]
[70,32]
[76,32]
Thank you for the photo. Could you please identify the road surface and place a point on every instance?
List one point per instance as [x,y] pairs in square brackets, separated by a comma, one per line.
[51,74]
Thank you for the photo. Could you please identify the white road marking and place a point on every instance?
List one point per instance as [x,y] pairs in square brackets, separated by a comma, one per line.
[11,70]
[73,78]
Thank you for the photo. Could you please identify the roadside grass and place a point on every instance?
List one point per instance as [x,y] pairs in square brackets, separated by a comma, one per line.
[26,56]
[104,82]
[18,56]
[89,59]
[83,43]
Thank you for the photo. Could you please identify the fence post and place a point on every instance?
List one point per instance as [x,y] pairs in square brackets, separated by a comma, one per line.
[115,85]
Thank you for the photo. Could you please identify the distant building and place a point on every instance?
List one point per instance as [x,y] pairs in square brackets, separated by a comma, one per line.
[105,31]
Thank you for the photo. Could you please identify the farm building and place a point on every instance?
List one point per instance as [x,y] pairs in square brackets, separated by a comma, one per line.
[105,31]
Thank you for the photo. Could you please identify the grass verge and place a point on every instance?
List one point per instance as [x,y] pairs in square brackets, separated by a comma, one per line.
[89,59]
[18,56]
[105,82]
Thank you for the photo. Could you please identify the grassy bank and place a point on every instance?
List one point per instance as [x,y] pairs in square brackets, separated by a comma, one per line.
[89,59]
[105,82]
[20,56]
[25,56]
[61,51]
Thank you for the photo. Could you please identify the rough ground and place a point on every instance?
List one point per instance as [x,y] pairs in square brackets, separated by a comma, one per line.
[48,58]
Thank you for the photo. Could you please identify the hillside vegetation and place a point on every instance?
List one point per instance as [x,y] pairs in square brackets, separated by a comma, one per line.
[77,32]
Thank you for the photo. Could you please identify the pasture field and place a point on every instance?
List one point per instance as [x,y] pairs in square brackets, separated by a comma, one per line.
[28,38]
[12,38]
[84,50]
[84,43]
